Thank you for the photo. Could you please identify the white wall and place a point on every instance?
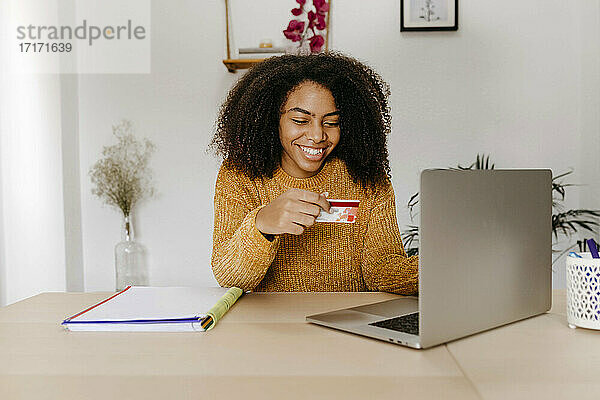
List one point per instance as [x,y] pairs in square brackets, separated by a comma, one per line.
[32,188]
[32,252]
[519,81]
[589,110]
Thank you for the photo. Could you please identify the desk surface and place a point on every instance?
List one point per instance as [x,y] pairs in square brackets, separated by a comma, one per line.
[263,348]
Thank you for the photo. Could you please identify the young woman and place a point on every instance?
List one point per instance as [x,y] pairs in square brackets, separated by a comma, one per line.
[294,131]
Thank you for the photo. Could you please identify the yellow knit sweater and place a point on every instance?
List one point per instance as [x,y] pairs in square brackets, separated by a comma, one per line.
[364,256]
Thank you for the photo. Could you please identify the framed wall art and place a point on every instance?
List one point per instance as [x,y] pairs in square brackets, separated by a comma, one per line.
[428,15]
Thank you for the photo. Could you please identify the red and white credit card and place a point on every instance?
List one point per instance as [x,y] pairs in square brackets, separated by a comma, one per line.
[344,211]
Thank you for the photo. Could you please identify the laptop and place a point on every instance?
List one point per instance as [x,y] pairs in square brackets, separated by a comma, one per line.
[485,260]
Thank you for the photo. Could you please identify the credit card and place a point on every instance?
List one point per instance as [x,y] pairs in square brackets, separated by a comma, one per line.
[344,211]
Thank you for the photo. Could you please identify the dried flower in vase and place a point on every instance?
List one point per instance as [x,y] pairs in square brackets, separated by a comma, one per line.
[122,177]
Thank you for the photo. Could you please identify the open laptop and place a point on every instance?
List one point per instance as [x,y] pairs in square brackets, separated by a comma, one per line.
[484,260]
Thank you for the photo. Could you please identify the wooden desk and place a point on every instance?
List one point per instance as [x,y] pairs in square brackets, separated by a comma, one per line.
[264,348]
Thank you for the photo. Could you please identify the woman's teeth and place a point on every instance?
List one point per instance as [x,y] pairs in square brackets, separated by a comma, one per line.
[311,151]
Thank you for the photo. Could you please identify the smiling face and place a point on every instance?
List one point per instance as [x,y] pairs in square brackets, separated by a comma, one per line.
[309,129]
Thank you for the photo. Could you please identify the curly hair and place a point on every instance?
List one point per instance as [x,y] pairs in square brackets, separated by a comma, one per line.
[247,129]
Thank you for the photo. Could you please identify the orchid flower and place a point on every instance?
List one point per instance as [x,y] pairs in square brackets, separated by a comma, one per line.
[294,30]
[298,31]
[316,43]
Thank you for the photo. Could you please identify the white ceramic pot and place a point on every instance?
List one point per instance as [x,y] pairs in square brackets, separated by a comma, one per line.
[583,291]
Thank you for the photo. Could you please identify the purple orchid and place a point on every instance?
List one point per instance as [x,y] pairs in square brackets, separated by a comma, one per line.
[294,30]
[311,19]
[300,9]
[317,20]
[316,43]
[322,6]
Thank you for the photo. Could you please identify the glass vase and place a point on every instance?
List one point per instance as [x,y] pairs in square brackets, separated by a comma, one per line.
[130,259]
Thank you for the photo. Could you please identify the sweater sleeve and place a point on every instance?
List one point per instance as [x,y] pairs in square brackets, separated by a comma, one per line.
[241,254]
[385,266]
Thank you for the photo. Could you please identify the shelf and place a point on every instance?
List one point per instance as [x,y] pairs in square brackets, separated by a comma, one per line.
[235,64]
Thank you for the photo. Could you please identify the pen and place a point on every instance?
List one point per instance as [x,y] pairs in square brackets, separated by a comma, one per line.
[593,249]
[573,254]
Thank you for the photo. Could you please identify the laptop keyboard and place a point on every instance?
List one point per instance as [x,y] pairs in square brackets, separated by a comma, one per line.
[408,323]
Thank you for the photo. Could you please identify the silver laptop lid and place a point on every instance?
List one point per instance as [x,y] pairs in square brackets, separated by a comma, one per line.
[486,250]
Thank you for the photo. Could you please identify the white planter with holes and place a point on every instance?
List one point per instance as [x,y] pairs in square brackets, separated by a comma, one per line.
[583,292]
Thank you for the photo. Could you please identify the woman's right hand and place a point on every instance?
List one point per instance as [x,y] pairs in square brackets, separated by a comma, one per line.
[292,212]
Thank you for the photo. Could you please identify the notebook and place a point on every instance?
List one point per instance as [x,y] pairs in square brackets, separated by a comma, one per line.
[156,309]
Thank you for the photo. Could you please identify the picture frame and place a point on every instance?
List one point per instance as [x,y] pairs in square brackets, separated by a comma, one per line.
[428,15]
